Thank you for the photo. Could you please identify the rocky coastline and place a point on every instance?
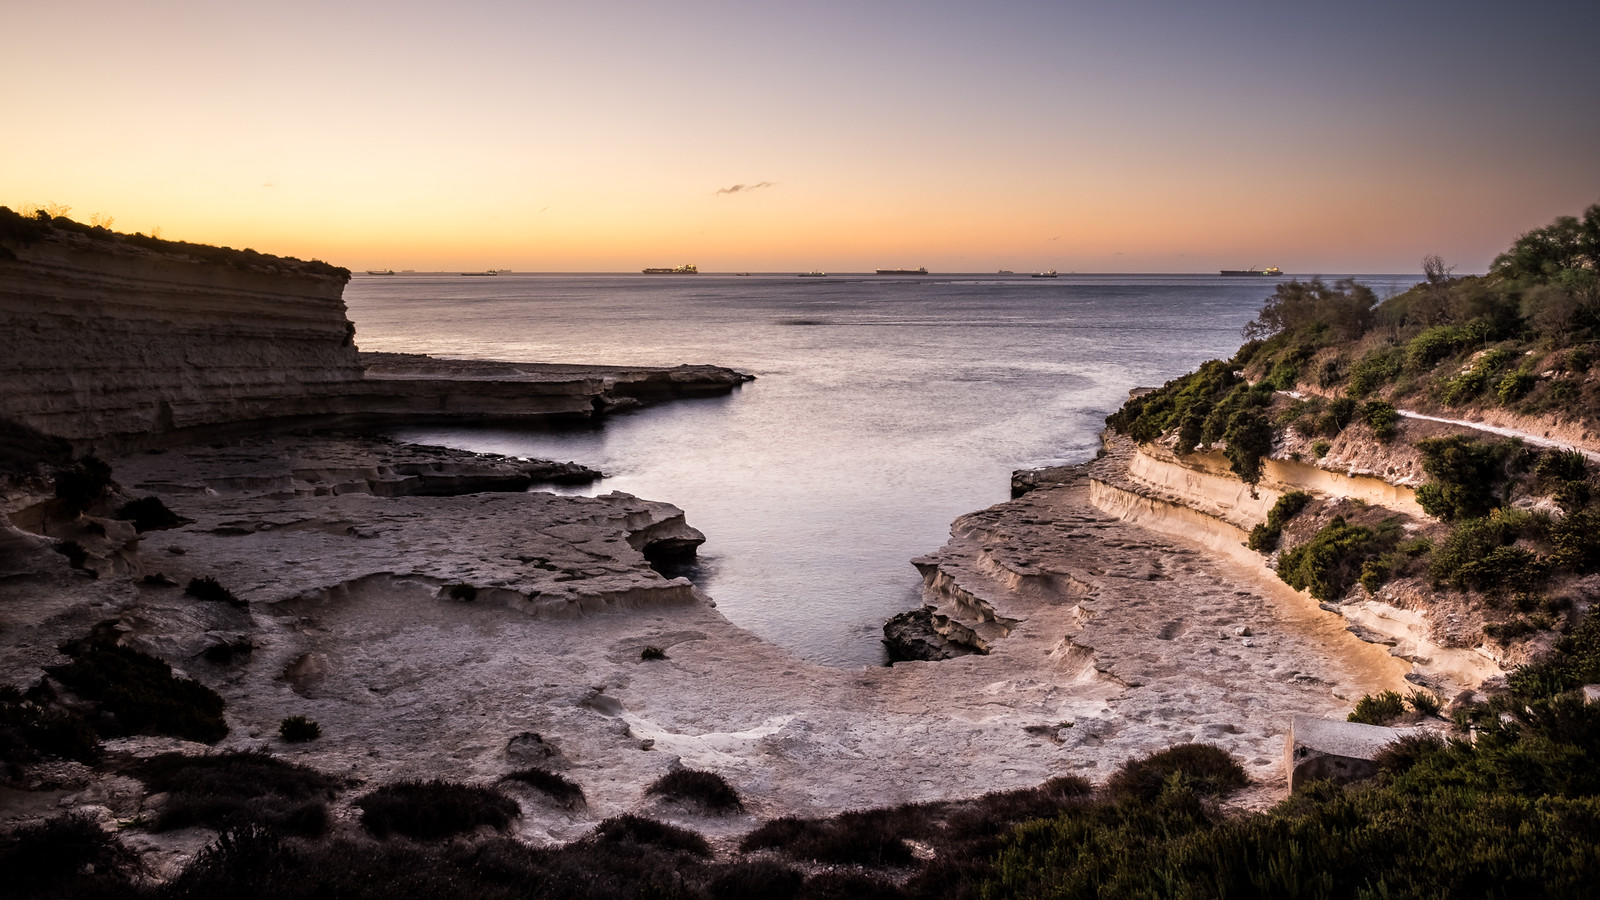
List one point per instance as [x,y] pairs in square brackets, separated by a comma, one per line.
[438,619]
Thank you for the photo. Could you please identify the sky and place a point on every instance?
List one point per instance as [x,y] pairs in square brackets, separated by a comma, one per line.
[610,135]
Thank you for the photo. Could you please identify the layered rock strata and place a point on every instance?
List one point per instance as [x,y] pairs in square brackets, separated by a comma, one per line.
[116,347]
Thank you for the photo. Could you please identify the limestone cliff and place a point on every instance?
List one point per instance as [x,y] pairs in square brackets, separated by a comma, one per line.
[116,343]
[98,339]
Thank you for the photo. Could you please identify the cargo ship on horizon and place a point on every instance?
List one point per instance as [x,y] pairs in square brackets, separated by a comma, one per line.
[916,271]
[1273,271]
[685,269]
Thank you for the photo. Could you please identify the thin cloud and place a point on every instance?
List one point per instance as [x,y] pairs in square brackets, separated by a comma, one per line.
[746,188]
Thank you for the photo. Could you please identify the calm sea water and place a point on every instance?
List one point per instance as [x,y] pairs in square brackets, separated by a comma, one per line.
[883,408]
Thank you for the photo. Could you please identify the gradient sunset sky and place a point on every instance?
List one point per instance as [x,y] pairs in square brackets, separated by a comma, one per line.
[607,136]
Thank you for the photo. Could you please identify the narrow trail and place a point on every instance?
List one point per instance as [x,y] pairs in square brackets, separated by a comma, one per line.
[1535,440]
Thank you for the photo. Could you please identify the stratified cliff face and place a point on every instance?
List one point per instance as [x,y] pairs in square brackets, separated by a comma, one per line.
[100,340]
[115,346]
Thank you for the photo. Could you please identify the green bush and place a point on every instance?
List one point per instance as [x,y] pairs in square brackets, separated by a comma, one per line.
[1379,710]
[1512,387]
[299,730]
[1423,702]
[1481,554]
[1264,537]
[1465,472]
[1331,561]
[1382,417]
[1374,370]
[1202,768]
[1432,345]
[1320,448]
[138,694]
[1249,437]
[1191,396]
[1340,412]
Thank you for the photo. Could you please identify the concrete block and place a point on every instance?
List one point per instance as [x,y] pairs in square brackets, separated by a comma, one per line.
[1329,749]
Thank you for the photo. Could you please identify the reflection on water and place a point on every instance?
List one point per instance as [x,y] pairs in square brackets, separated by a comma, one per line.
[881,411]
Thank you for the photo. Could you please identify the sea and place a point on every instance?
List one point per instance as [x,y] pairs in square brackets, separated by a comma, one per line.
[883,406]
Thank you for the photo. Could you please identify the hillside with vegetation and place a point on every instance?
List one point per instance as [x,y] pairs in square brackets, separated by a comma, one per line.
[1510,539]
[22,229]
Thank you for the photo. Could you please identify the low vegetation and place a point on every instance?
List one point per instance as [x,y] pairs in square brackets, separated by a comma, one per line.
[557,787]
[707,790]
[434,810]
[234,790]
[1265,536]
[150,514]
[19,230]
[209,589]
[136,693]
[299,730]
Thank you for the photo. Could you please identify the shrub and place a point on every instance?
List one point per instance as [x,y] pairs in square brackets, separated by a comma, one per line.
[67,856]
[1465,473]
[553,785]
[1377,368]
[139,694]
[1512,387]
[1382,417]
[1249,438]
[1408,751]
[233,790]
[81,484]
[1320,448]
[299,730]
[757,878]
[1379,710]
[434,810]
[150,514]
[1264,537]
[652,653]
[209,589]
[1330,562]
[1340,412]
[1423,702]
[463,593]
[1202,768]
[1468,385]
[631,829]
[1481,554]
[872,837]
[1432,345]
[706,789]
[1184,401]
[30,731]
[1377,571]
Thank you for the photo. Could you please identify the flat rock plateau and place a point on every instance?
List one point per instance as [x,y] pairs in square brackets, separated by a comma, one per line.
[1105,641]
